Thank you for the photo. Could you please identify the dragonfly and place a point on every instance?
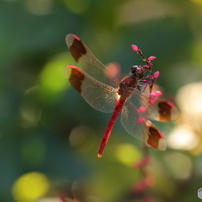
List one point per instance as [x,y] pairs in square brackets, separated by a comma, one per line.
[104,92]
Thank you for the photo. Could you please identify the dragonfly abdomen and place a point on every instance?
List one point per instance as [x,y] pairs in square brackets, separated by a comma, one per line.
[119,105]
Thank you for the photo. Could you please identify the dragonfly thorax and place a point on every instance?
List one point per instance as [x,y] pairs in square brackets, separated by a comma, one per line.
[127,86]
[129,83]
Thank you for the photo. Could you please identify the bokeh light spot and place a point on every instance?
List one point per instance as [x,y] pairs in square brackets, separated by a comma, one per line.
[189,100]
[194,99]
[180,165]
[49,199]
[114,68]
[30,109]
[39,7]
[30,187]
[182,137]
[52,79]
[197,2]
[77,6]
[131,11]
[127,154]
[83,138]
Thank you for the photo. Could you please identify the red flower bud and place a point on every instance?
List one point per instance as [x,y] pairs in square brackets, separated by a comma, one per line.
[146,67]
[141,120]
[151,58]
[142,109]
[135,48]
[150,63]
[156,74]
[155,94]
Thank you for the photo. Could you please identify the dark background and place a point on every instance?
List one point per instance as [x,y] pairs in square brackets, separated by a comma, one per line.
[49,135]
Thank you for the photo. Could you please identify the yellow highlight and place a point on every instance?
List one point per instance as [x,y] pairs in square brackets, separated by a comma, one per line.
[183,137]
[52,78]
[30,187]
[127,154]
[77,6]
[179,165]
[197,48]
[197,1]
[191,105]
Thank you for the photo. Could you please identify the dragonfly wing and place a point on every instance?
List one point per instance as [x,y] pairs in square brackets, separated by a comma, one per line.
[88,62]
[99,95]
[129,117]
[162,110]
[139,126]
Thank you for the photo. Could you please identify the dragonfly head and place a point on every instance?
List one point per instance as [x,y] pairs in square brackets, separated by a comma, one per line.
[137,72]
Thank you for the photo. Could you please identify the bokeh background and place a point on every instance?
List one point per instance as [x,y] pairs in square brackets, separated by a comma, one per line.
[49,135]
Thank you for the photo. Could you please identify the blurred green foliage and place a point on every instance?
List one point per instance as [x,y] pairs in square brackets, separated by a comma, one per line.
[48,129]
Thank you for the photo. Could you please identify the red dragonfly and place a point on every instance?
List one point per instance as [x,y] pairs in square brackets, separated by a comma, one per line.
[106,93]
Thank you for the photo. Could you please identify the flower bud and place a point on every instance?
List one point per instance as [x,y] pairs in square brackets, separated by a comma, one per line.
[135,48]
[151,58]
[156,74]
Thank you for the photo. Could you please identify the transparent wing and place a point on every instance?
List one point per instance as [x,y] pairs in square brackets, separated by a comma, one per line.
[88,62]
[99,95]
[129,120]
[139,126]
[162,110]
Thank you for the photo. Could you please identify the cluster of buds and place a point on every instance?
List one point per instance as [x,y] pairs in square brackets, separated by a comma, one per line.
[146,60]
[153,97]
[143,184]
[147,181]
[142,163]
[139,189]
[150,79]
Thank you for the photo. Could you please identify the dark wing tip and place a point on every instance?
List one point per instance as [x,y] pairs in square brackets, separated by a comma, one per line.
[76,78]
[155,137]
[76,46]
[70,38]
[167,111]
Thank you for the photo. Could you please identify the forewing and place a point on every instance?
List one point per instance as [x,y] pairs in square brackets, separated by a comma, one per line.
[88,62]
[99,95]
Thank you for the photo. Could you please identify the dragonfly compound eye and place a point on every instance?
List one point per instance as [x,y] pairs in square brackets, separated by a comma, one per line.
[137,71]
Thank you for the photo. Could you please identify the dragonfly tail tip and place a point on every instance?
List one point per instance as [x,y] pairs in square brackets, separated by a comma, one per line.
[99,155]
